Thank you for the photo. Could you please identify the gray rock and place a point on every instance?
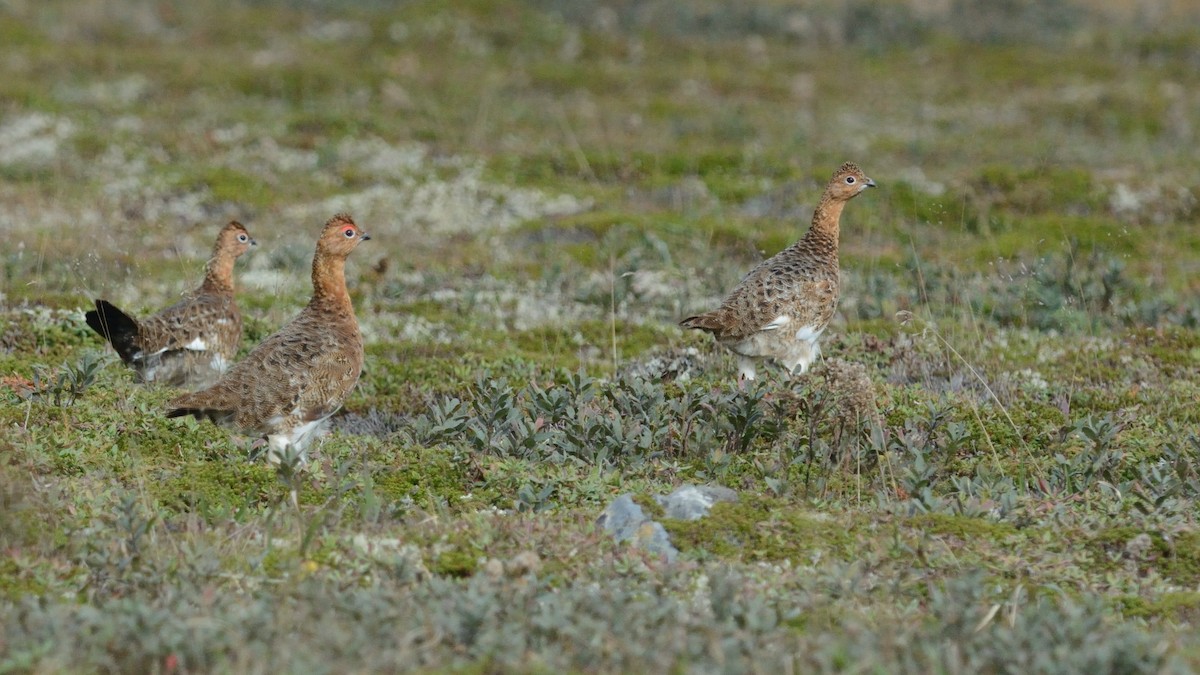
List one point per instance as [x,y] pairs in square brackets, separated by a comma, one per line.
[692,502]
[626,521]
[622,517]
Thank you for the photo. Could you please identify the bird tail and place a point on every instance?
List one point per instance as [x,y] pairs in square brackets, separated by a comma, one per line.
[710,322]
[188,404]
[120,329]
[184,412]
[202,405]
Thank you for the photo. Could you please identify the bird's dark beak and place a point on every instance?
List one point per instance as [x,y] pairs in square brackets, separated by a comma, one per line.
[253,242]
[870,183]
[365,236]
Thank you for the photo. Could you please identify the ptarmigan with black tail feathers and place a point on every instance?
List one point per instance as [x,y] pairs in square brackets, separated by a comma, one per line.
[191,343]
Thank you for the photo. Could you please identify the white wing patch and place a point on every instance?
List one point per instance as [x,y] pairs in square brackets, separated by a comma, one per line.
[196,345]
[778,322]
[809,333]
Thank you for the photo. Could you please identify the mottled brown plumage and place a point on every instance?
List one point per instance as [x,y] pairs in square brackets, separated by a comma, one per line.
[781,307]
[298,377]
[192,342]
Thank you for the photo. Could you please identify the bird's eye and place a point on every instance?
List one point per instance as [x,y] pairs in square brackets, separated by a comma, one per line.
[849,180]
[349,232]
[243,238]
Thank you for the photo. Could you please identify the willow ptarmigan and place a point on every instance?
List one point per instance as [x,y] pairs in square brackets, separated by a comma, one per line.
[780,309]
[297,378]
[192,342]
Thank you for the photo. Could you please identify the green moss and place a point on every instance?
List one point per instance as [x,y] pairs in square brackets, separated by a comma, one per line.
[90,145]
[1038,190]
[231,185]
[815,620]
[1177,558]
[591,239]
[15,33]
[279,562]
[963,528]
[734,187]
[1174,606]
[50,337]
[759,528]
[423,472]
[1181,562]
[27,174]
[1172,348]
[217,485]
[159,440]
[1033,236]
[882,327]
[914,206]
[556,346]
[456,562]
[650,506]
[430,310]
[1110,542]
[1032,422]
[16,583]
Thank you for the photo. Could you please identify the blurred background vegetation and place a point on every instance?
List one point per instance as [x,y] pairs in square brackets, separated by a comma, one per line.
[998,462]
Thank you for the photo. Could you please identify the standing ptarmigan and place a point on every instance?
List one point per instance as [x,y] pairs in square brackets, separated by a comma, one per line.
[192,342]
[781,307]
[297,378]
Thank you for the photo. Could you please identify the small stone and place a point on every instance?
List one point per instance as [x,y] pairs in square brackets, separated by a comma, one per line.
[626,521]
[622,517]
[652,537]
[692,502]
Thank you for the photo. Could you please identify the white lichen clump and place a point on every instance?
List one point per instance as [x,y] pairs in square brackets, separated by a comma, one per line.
[33,140]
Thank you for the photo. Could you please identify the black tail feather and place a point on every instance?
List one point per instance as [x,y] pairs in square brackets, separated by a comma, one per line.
[705,322]
[211,414]
[120,329]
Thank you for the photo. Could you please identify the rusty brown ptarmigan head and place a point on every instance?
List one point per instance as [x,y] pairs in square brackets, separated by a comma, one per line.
[781,307]
[297,378]
[191,343]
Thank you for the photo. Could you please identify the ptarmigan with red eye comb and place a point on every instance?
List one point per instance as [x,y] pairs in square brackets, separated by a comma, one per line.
[297,378]
[191,343]
[781,307]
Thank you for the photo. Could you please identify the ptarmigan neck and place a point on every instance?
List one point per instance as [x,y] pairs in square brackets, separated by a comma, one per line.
[218,274]
[329,282]
[823,234]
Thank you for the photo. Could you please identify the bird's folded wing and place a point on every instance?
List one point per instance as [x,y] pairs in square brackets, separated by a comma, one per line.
[188,324]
